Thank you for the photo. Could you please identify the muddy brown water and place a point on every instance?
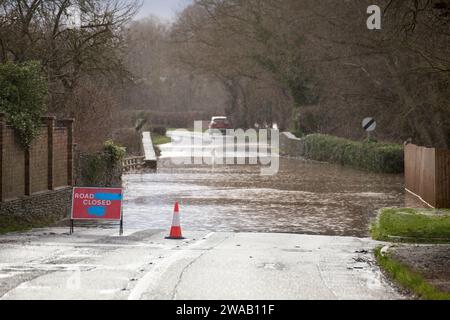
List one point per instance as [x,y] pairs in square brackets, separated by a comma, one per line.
[304,197]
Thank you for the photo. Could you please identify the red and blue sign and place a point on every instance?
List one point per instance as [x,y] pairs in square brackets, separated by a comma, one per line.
[97,204]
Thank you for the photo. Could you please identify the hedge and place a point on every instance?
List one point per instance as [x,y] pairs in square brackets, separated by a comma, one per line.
[372,156]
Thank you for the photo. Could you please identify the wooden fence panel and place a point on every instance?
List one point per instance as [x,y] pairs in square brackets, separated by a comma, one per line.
[443,178]
[427,174]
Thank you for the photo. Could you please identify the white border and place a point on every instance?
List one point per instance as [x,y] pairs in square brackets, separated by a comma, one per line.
[99,219]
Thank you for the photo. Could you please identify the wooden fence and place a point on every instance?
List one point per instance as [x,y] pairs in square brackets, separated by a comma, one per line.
[427,174]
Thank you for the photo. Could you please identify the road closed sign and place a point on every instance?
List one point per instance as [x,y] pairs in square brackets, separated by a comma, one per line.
[97,204]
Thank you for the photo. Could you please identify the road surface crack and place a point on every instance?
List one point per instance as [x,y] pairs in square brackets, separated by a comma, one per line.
[186,268]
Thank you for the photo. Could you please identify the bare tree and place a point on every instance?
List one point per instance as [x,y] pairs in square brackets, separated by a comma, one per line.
[72,38]
[323,59]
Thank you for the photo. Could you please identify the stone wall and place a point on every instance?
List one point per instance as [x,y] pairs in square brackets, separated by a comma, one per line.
[37,210]
[291,146]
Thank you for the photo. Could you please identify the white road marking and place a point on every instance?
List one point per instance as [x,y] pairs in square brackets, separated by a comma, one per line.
[151,278]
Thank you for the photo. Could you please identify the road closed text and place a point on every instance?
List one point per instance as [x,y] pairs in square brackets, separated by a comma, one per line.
[88,199]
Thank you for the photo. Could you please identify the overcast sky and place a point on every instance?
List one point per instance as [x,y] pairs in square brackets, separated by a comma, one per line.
[165,9]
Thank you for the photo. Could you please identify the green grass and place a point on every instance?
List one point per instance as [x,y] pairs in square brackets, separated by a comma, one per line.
[409,279]
[412,225]
[158,139]
[11,224]
[187,129]
[372,156]
[13,228]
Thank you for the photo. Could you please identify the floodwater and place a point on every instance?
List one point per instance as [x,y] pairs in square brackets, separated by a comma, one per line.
[304,197]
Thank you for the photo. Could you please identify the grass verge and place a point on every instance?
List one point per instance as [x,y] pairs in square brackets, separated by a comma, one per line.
[159,139]
[11,224]
[174,129]
[409,279]
[13,228]
[412,225]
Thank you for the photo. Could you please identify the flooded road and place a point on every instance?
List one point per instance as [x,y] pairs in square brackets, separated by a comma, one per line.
[269,262]
[304,197]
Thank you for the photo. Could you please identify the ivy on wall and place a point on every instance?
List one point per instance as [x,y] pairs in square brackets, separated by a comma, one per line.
[23,94]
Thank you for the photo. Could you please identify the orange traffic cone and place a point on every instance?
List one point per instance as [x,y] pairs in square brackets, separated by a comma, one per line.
[175,230]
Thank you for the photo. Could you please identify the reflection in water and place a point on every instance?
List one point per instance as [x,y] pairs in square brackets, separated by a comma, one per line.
[304,197]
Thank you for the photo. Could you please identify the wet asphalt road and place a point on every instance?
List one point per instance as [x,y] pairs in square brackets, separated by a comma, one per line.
[98,264]
[303,197]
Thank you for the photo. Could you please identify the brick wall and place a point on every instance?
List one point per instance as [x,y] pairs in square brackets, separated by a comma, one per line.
[35,184]
[47,165]
[12,166]
[60,157]
[39,163]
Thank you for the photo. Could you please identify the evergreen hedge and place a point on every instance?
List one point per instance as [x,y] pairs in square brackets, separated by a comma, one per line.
[372,156]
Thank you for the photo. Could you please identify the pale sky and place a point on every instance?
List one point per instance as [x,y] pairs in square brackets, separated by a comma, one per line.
[165,9]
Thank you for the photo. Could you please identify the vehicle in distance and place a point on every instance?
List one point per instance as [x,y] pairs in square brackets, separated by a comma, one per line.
[219,123]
